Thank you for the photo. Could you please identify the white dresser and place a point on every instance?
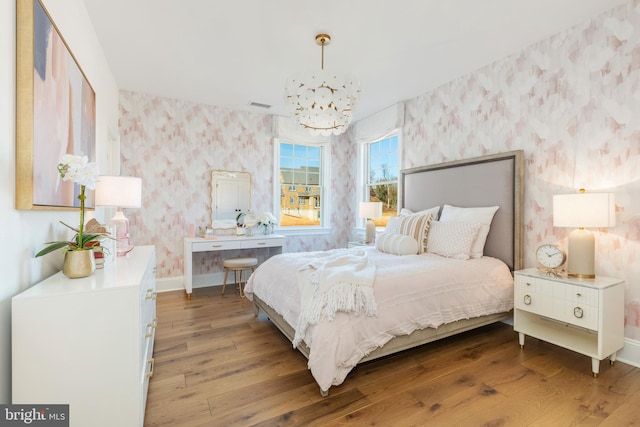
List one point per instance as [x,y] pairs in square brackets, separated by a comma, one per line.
[88,342]
[583,315]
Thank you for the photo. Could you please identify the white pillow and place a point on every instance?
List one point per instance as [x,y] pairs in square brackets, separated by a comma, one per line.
[393,225]
[480,215]
[433,211]
[397,244]
[452,239]
[416,226]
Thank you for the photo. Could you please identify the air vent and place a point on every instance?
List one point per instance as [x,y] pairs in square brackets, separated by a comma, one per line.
[258,104]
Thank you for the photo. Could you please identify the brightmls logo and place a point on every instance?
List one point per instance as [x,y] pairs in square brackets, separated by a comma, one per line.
[34,415]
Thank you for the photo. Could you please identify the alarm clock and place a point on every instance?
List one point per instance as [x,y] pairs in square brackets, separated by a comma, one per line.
[550,256]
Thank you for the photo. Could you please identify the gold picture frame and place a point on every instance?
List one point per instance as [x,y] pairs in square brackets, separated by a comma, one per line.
[55,111]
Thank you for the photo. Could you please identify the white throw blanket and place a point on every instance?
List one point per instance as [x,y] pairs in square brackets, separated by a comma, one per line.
[337,280]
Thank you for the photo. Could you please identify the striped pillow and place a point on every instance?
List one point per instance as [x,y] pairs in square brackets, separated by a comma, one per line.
[416,226]
[397,244]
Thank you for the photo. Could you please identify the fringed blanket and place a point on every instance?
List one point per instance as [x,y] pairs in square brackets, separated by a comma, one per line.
[333,281]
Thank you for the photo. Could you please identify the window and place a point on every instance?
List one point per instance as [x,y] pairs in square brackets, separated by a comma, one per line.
[382,168]
[301,170]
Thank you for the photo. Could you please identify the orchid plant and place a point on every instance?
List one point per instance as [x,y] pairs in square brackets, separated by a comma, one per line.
[267,218]
[79,170]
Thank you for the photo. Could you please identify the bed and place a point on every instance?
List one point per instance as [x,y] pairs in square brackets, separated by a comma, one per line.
[334,346]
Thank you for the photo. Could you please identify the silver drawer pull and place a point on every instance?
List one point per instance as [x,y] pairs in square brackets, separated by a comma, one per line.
[527,299]
[262,243]
[216,246]
[578,312]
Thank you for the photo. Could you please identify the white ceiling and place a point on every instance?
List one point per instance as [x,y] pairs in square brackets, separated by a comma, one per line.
[233,52]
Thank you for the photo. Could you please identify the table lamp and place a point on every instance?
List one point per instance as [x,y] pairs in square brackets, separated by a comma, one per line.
[120,192]
[369,210]
[583,210]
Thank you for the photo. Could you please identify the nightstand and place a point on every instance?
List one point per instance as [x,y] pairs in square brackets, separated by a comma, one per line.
[583,315]
[359,243]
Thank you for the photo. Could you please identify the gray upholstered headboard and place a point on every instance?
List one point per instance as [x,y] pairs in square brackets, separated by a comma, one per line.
[494,180]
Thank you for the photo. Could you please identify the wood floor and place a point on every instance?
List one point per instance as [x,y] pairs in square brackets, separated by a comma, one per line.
[216,364]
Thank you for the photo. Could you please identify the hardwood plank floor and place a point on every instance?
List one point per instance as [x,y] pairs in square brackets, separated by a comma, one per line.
[216,364]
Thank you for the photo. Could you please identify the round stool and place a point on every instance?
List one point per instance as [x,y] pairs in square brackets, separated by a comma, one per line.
[238,265]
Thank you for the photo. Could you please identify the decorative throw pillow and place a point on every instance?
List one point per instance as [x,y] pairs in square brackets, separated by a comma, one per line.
[433,211]
[397,244]
[416,226]
[480,215]
[452,239]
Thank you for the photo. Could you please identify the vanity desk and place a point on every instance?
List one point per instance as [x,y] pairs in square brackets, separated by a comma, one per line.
[272,242]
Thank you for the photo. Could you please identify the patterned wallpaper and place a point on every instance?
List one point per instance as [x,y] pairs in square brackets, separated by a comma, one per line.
[571,102]
[174,145]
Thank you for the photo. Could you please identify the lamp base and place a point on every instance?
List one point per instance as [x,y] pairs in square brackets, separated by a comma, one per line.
[370,232]
[581,254]
[124,245]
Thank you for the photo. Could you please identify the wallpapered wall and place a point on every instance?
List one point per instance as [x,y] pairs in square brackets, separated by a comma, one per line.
[571,102]
[174,145]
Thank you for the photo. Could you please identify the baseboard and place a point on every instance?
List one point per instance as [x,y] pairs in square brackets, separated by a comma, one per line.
[168,284]
[630,353]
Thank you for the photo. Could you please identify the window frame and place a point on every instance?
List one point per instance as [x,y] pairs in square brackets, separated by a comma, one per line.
[325,183]
[363,172]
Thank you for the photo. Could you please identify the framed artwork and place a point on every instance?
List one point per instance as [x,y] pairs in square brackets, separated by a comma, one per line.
[55,112]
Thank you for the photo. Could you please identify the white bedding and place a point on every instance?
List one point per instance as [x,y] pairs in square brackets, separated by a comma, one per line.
[412,292]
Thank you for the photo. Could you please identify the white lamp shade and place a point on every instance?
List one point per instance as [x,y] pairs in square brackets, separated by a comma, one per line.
[584,210]
[370,209]
[119,191]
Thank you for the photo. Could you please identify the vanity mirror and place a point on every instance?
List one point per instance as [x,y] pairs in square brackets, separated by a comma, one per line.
[230,194]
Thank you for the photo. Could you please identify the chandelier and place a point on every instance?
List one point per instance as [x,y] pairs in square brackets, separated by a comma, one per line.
[322,102]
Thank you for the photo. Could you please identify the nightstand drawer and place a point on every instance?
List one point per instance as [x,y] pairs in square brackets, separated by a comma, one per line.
[563,302]
[580,295]
[585,316]
[534,295]
[576,305]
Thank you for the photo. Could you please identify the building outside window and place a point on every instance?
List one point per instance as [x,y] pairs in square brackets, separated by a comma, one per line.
[301,191]
[382,169]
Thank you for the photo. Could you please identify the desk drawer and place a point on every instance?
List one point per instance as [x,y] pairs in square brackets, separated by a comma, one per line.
[215,245]
[262,243]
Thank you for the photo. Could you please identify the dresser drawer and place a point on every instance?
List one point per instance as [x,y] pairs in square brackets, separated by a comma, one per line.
[216,245]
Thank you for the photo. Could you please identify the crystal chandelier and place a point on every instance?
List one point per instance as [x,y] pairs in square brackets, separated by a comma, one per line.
[322,102]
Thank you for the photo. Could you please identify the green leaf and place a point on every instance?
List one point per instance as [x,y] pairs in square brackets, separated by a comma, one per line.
[54,246]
